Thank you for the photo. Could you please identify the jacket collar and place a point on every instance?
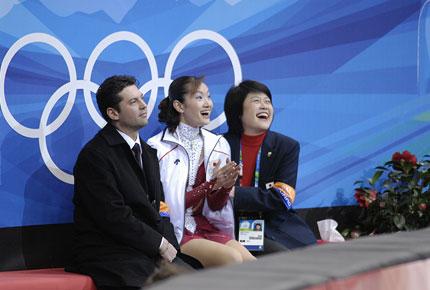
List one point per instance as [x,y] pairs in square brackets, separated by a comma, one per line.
[209,138]
[147,176]
[111,135]
[210,141]
[113,138]
[267,153]
[269,141]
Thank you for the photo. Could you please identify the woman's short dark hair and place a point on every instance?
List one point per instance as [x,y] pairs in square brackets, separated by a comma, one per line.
[180,87]
[233,103]
[107,94]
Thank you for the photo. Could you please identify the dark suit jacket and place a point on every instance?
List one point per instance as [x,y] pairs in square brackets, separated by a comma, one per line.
[118,228]
[278,162]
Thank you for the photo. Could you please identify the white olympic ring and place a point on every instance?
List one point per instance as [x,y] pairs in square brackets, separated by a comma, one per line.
[88,86]
[209,35]
[114,37]
[30,38]
[55,170]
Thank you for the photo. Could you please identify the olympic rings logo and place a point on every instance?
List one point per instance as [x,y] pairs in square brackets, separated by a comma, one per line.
[88,86]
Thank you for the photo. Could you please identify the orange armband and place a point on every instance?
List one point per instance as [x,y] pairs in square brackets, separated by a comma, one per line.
[164,209]
[288,190]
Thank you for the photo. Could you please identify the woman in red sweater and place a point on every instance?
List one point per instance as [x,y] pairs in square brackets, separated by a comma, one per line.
[266,189]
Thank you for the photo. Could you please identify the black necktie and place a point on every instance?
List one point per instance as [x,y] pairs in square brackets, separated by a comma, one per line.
[137,154]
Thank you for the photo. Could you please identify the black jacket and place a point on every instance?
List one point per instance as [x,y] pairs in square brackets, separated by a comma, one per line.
[278,162]
[118,228]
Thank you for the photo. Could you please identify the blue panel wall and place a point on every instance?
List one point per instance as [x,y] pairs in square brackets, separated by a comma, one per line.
[350,81]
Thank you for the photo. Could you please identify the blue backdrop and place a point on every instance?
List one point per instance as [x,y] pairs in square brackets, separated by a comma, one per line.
[350,81]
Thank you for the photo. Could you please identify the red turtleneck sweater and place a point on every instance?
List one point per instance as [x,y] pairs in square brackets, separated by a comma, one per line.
[250,147]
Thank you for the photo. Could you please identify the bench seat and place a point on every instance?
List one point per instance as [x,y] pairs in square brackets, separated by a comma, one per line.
[45,279]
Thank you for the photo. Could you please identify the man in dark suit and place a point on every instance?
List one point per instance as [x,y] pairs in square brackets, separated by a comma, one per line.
[120,233]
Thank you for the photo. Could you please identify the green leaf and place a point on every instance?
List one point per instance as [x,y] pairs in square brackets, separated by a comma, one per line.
[387,183]
[426,181]
[412,184]
[399,221]
[395,174]
[376,177]
[345,233]
[388,163]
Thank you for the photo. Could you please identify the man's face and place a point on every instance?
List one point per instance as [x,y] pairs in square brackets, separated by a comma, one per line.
[257,113]
[132,114]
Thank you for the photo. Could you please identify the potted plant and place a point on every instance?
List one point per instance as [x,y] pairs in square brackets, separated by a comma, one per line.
[395,198]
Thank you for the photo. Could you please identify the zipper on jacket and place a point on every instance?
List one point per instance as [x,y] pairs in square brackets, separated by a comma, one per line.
[188,157]
[210,154]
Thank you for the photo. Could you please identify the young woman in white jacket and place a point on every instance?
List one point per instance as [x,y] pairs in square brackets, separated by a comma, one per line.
[197,175]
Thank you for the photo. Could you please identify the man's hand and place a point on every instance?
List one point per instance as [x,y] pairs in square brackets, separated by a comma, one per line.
[167,251]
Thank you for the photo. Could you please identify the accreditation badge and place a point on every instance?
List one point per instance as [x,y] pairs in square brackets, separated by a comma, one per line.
[251,234]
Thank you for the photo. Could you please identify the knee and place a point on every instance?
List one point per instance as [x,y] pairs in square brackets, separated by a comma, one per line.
[234,257]
[248,257]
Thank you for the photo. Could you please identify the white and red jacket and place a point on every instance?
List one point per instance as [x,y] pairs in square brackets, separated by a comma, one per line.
[174,166]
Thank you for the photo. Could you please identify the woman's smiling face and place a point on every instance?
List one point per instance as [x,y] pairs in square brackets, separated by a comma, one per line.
[197,107]
[257,113]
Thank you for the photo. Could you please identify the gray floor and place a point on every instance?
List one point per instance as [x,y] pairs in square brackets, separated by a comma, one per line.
[311,266]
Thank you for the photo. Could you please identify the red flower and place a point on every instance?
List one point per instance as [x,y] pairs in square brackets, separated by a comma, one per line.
[372,195]
[359,196]
[406,156]
[396,157]
[422,206]
[364,198]
[409,157]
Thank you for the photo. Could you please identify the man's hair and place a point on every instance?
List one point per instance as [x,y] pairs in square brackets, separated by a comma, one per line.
[233,103]
[107,93]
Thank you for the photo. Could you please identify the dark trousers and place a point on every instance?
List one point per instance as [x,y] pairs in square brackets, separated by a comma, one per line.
[187,261]
[181,264]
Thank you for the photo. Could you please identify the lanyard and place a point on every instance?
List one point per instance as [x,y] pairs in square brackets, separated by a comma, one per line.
[285,198]
[257,165]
